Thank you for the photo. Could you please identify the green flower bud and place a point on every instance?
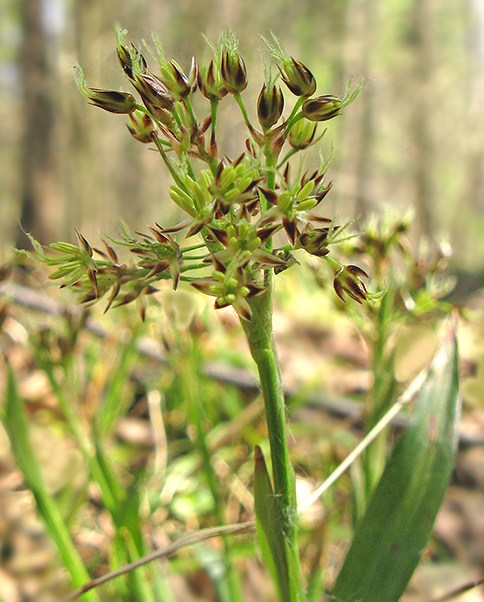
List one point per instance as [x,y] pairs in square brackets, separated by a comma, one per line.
[322,108]
[176,81]
[302,133]
[162,115]
[153,91]
[109,100]
[141,127]
[348,281]
[233,70]
[270,105]
[298,78]
[315,241]
[210,82]
[127,55]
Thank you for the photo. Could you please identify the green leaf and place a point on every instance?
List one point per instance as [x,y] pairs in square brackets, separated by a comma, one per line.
[395,529]
[275,549]
[17,427]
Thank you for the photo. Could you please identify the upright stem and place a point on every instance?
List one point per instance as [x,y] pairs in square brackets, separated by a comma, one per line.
[261,343]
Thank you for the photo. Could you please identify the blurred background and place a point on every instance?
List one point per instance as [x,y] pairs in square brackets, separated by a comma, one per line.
[414,138]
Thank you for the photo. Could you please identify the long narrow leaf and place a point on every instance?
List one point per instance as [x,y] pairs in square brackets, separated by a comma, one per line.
[17,428]
[397,525]
[275,550]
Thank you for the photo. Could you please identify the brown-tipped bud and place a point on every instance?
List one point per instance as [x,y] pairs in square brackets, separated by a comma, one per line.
[193,75]
[181,84]
[270,105]
[178,84]
[315,241]
[83,244]
[269,195]
[110,100]
[129,55]
[141,127]
[347,281]
[322,108]
[210,82]
[298,78]
[153,92]
[162,115]
[233,72]
[111,252]
[125,57]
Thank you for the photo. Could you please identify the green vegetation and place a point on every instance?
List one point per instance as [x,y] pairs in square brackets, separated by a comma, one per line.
[248,220]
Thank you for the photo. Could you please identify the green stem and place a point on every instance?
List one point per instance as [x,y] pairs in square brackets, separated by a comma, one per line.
[291,122]
[195,257]
[382,392]
[188,105]
[213,135]
[193,247]
[240,102]
[261,343]
[187,268]
[299,102]
[169,165]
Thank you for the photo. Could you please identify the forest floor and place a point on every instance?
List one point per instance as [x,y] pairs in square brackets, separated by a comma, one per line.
[28,561]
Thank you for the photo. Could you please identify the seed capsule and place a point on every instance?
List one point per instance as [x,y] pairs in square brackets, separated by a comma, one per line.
[298,78]
[270,105]
[234,72]
[322,108]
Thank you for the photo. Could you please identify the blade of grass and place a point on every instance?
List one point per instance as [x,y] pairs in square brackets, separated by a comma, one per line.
[395,529]
[274,547]
[108,491]
[17,427]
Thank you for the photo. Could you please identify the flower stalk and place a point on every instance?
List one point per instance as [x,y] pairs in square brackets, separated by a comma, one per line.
[260,337]
[235,207]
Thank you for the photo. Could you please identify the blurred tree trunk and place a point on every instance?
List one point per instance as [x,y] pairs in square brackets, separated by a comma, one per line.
[360,39]
[83,181]
[474,181]
[421,119]
[38,109]
[366,101]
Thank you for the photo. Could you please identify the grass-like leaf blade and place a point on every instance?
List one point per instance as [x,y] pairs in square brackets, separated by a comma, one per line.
[17,428]
[389,540]
[275,550]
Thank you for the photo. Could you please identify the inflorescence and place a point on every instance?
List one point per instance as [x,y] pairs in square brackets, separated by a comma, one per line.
[235,206]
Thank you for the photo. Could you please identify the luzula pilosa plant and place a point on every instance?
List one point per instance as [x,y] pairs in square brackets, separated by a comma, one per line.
[235,206]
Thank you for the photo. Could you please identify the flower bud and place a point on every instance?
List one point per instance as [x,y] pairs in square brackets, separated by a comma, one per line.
[301,135]
[298,78]
[141,127]
[322,108]
[315,241]
[109,100]
[162,115]
[210,82]
[176,81]
[153,91]
[348,281]
[270,105]
[233,71]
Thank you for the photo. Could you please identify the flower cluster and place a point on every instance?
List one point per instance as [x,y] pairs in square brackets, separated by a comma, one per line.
[235,206]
